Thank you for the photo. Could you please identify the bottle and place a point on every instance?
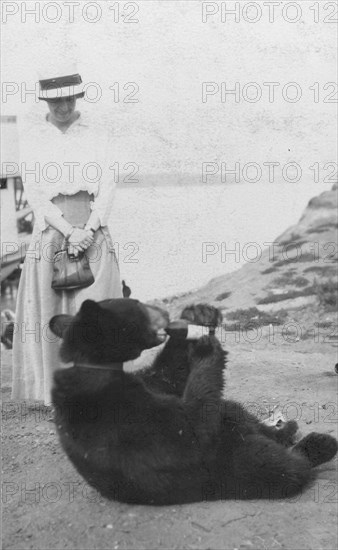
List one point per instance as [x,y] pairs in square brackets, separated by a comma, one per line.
[184,331]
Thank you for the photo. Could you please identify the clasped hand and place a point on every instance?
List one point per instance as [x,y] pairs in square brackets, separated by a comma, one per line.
[79,241]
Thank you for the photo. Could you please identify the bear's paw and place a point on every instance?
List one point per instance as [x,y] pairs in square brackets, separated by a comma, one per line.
[202,314]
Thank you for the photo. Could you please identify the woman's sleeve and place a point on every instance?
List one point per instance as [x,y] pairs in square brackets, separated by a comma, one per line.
[31,174]
[103,202]
[41,205]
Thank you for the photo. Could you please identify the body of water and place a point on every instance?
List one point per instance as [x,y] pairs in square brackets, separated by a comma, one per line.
[170,238]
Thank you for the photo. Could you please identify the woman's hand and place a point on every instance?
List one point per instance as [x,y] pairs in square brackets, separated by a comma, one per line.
[79,240]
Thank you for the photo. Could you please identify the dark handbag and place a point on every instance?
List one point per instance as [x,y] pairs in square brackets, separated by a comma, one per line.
[71,272]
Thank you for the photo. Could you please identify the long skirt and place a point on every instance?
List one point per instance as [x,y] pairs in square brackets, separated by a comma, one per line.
[35,348]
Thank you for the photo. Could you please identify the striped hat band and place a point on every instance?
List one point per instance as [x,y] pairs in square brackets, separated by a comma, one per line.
[62,86]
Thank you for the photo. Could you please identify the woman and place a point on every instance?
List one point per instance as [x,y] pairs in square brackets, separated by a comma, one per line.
[65,172]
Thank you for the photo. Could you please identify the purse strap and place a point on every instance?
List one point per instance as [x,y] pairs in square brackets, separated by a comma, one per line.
[65,244]
[64,247]
[109,366]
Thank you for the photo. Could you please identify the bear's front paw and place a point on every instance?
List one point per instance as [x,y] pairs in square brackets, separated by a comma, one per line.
[206,346]
[202,314]
[287,435]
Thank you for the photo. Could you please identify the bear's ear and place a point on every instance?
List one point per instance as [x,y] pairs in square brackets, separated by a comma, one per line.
[59,323]
[89,310]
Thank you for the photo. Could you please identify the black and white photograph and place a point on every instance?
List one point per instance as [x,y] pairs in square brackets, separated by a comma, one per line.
[169,277]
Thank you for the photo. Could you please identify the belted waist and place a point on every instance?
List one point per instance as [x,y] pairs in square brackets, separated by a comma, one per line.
[75,208]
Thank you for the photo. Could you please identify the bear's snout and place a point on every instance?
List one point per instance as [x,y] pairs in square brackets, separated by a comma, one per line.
[158,322]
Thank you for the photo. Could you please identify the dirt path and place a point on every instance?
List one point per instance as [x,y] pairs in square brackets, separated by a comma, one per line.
[46,504]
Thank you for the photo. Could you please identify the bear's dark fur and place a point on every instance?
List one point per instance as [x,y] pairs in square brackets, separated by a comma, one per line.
[165,435]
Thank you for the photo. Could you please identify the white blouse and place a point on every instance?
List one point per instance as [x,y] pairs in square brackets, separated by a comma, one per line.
[53,162]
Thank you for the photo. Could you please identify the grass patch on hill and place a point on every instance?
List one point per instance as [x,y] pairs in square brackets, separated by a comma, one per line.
[271,269]
[325,331]
[290,245]
[304,257]
[273,298]
[322,270]
[300,282]
[286,279]
[291,240]
[327,292]
[223,296]
[244,318]
[319,230]
[324,227]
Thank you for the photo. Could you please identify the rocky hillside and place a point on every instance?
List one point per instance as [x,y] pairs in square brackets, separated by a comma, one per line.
[296,278]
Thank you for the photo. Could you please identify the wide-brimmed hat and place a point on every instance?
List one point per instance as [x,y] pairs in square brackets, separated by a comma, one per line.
[61,87]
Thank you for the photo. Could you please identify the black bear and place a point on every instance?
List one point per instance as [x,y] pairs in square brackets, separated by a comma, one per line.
[165,435]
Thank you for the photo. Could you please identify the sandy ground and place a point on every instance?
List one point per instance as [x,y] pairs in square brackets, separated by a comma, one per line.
[46,504]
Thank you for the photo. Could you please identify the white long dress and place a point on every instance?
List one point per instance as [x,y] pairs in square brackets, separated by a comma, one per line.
[64,174]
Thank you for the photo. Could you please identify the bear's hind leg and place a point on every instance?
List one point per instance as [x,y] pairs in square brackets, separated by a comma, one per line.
[317,448]
[264,469]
